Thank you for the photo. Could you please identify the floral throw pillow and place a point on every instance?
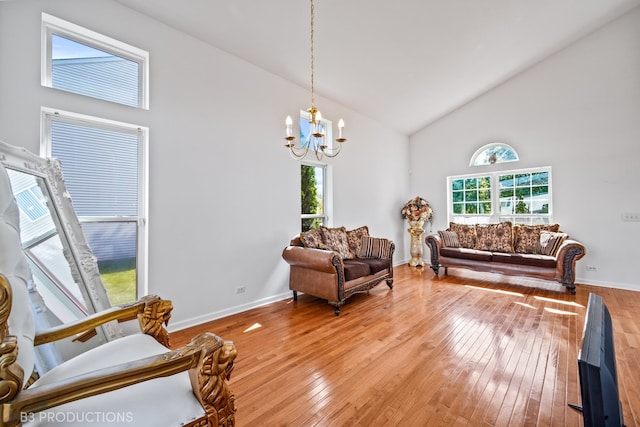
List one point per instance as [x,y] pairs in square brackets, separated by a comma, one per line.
[526,238]
[466,234]
[494,237]
[354,238]
[312,239]
[336,240]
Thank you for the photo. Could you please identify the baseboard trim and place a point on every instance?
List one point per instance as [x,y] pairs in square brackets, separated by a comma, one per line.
[194,321]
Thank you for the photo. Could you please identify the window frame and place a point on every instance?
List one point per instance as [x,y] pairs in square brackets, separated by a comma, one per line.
[327,193]
[496,214]
[48,115]
[53,25]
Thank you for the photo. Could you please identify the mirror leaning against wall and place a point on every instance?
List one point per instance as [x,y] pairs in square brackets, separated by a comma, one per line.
[66,281]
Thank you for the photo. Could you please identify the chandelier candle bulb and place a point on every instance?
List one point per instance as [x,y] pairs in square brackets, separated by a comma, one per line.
[340,127]
[289,123]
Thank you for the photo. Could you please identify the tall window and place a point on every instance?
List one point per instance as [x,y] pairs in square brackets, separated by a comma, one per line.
[519,196]
[312,196]
[104,165]
[79,60]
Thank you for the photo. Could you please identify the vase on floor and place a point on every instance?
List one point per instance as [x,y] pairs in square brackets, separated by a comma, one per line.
[417,211]
[416,230]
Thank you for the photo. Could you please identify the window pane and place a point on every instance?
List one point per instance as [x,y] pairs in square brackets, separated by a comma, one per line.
[312,196]
[100,168]
[457,184]
[471,183]
[114,244]
[81,69]
[457,208]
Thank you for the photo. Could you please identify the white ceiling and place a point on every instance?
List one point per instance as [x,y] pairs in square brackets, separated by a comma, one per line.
[402,62]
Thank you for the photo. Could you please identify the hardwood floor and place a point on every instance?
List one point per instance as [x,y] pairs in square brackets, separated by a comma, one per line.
[465,349]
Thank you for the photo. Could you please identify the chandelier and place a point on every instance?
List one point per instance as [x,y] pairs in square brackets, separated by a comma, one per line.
[316,138]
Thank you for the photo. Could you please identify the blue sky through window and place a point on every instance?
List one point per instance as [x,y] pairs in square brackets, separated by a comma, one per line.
[62,48]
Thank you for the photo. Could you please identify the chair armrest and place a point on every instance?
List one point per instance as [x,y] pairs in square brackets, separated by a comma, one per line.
[314,259]
[204,352]
[152,312]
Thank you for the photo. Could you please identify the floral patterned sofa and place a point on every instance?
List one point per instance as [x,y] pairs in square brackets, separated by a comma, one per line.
[539,251]
[333,263]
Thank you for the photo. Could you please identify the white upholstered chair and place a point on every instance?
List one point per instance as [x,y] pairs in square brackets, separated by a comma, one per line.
[130,381]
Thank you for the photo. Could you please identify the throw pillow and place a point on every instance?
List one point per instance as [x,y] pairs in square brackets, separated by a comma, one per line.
[312,239]
[527,237]
[466,234]
[449,239]
[336,240]
[550,242]
[494,237]
[354,238]
[374,247]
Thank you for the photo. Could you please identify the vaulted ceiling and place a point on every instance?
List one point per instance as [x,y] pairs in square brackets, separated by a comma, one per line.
[402,62]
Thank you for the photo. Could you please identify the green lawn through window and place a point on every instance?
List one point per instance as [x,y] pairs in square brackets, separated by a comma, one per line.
[119,278]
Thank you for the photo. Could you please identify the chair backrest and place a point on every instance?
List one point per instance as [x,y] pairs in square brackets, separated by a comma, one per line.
[14,266]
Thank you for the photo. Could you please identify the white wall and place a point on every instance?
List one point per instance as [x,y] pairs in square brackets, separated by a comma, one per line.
[216,137]
[577,111]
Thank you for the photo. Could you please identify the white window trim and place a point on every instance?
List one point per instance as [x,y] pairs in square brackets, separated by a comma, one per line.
[49,114]
[52,25]
[495,197]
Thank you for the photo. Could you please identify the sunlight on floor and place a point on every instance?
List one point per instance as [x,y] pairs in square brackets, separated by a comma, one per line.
[559,301]
[499,291]
[253,327]
[556,311]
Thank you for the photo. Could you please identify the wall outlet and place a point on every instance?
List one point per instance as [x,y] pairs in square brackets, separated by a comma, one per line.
[240,289]
[631,217]
[591,268]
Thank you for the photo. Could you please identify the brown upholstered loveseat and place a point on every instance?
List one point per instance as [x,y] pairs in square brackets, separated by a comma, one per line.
[539,251]
[333,263]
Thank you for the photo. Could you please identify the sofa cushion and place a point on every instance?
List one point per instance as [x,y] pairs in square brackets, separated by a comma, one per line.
[550,242]
[374,247]
[466,234]
[526,238]
[449,239]
[466,253]
[336,240]
[525,259]
[354,239]
[313,239]
[354,269]
[494,237]
[377,264]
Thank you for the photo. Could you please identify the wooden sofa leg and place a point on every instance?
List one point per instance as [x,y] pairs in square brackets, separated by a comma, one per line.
[390,283]
[295,295]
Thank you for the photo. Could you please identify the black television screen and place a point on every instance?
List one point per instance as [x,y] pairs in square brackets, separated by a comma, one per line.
[597,369]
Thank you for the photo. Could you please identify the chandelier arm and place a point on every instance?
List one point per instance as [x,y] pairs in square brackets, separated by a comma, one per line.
[298,153]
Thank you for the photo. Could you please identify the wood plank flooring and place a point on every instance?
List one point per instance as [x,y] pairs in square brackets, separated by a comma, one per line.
[467,349]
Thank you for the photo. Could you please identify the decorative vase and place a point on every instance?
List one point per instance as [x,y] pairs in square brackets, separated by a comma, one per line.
[416,230]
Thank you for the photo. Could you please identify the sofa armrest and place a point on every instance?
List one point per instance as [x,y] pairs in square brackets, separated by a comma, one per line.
[435,243]
[314,259]
[569,252]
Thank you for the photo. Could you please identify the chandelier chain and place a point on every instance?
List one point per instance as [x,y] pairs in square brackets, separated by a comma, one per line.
[312,57]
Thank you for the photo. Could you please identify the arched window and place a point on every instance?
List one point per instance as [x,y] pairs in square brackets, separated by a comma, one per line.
[496,152]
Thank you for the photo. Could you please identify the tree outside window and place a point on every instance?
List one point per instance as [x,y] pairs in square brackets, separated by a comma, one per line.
[312,196]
